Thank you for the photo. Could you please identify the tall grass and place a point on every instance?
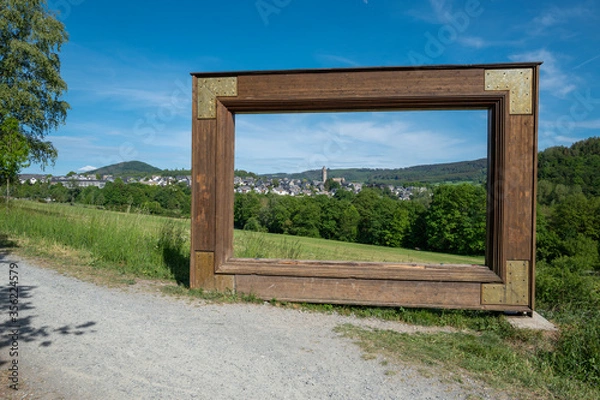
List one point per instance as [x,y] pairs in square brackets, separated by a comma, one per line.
[130,243]
[158,247]
[258,245]
[273,245]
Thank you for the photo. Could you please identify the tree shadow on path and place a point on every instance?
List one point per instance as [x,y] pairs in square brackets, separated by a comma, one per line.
[17,310]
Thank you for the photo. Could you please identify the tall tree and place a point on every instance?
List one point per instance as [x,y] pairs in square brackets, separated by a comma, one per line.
[30,83]
[13,151]
[456,219]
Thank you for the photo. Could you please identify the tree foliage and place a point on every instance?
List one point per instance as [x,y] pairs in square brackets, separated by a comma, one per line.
[577,165]
[456,219]
[30,83]
[13,150]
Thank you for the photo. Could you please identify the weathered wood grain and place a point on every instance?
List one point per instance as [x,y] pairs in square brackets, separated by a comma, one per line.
[362,291]
[224,171]
[360,270]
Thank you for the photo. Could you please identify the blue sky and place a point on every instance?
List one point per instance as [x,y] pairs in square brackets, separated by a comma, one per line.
[127,66]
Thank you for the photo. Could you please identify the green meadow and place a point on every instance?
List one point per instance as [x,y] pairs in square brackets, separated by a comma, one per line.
[158,247]
[137,244]
[270,245]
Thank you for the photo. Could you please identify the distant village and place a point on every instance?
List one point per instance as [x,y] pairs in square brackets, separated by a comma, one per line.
[85,180]
[279,186]
[304,187]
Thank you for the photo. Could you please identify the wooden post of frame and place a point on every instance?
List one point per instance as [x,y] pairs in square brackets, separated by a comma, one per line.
[510,94]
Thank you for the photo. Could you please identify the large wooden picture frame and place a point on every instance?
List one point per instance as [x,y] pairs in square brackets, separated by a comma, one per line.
[510,94]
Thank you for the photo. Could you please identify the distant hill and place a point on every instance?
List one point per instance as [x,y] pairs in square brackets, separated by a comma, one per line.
[129,168]
[462,171]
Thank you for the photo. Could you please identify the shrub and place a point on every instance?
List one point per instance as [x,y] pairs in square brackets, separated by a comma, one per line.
[561,285]
[577,352]
[254,225]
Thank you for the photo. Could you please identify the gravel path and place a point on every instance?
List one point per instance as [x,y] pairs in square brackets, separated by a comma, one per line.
[81,341]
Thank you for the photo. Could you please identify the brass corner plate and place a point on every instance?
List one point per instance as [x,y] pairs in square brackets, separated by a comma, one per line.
[520,84]
[205,266]
[205,274]
[514,292]
[208,91]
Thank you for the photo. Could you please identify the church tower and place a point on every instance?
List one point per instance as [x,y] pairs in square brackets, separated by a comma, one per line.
[324,174]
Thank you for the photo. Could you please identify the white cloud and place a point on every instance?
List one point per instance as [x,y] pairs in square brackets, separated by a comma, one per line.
[91,129]
[179,139]
[436,13]
[568,125]
[293,143]
[441,9]
[549,138]
[565,132]
[561,23]
[481,43]
[587,124]
[87,168]
[554,16]
[119,80]
[135,96]
[472,41]
[553,78]
[332,59]
[546,19]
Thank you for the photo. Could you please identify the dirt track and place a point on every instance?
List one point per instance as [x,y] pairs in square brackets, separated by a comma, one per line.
[81,341]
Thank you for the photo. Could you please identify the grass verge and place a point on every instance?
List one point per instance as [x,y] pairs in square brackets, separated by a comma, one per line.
[509,360]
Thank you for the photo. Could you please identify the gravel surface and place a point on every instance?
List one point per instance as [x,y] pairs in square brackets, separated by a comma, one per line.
[81,341]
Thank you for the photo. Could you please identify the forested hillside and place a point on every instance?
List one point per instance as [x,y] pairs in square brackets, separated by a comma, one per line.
[570,169]
[568,233]
[128,168]
[463,171]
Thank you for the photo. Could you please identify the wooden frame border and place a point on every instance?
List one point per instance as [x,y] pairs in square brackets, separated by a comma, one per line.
[510,94]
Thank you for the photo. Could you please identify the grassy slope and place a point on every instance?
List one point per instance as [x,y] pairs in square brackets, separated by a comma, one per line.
[127,243]
[321,249]
[125,239]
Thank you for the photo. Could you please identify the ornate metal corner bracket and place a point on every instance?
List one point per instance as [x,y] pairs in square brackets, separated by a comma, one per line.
[514,292]
[519,82]
[208,91]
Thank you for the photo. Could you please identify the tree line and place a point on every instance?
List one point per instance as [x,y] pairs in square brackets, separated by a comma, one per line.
[171,200]
[449,218]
